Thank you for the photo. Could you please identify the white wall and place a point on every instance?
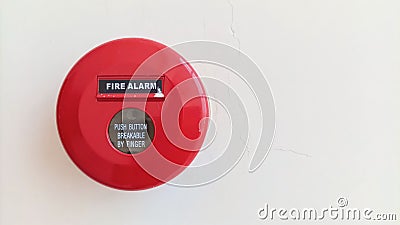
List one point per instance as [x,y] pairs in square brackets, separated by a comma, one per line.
[333,67]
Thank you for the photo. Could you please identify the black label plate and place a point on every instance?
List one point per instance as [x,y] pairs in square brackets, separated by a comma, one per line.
[129,86]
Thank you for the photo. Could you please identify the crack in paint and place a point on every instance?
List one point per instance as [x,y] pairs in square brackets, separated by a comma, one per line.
[231,26]
[292,151]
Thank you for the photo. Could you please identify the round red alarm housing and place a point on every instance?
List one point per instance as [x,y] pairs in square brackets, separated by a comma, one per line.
[131,114]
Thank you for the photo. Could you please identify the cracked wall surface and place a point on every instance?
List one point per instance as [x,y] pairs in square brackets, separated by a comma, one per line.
[333,67]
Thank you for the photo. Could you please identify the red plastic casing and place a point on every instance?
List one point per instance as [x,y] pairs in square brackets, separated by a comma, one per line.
[83,115]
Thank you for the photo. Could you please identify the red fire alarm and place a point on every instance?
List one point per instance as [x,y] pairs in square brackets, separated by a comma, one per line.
[111,119]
